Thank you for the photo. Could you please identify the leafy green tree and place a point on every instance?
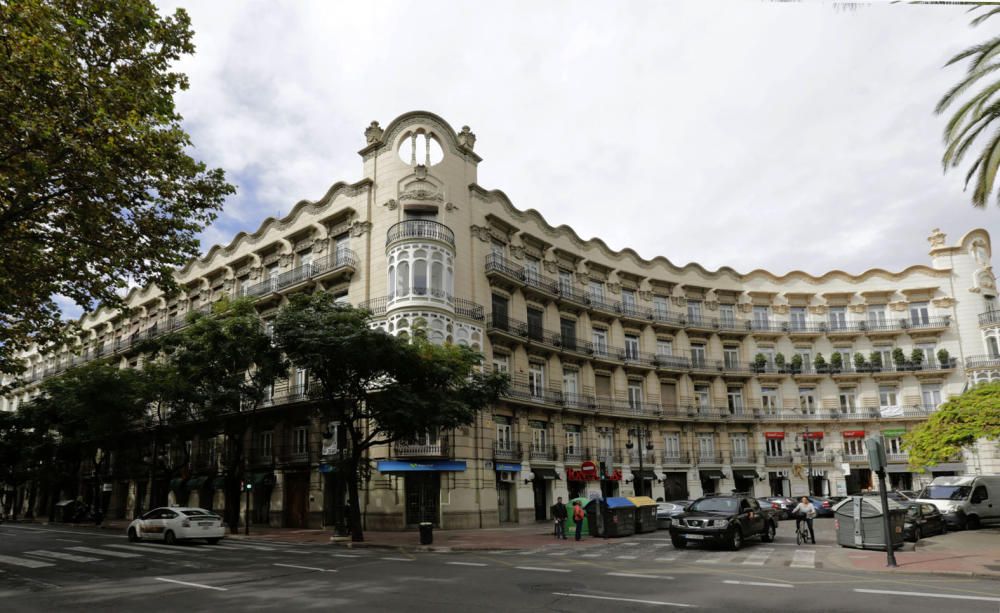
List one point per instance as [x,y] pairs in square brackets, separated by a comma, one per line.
[223,365]
[975,118]
[379,388]
[97,185]
[955,426]
[91,411]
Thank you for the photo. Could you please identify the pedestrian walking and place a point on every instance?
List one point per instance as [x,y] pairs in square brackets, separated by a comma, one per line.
[578,518]
[559,516]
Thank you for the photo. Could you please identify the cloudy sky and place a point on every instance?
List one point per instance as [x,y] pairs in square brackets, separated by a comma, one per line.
[749,134]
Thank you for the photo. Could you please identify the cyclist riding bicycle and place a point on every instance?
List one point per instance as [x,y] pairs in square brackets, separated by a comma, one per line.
[805,511]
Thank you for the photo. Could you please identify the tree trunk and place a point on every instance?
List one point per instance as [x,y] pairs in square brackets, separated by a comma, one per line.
[354,502]
[32,492]
[234,476]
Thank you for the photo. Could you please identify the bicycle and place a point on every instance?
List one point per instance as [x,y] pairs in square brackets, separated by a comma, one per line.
[802,535]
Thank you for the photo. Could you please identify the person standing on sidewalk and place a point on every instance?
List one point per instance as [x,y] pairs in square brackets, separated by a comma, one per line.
[559,515]
[578,518]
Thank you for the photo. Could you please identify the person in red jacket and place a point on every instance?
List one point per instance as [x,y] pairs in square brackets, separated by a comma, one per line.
[578,518]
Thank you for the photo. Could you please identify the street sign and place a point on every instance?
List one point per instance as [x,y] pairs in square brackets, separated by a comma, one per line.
[876,453]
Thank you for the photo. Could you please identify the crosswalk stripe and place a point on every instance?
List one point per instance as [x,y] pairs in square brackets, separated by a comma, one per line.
[804,559]
[58,555]
[146,549]
[758,558]
[227,547]
[711,559]
[254,547]
[669,558]
[625,557]
[591,555]
[559,553]
[105,552]
[25,562]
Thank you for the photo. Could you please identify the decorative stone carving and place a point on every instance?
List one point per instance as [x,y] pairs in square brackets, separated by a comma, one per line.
[712,305]
[645,295]
[359,228]
[899,305]
[984,282]
[819,309]
[373,133]
[937,238]
[582,277]
[466,138]
[450,206]
[945,302]
[856,308]
[978,251]
[420,171]
[517,252]
[421,194]
[284,260]
[390,204]
[481,232]
[614,288]
[680,301]
[550,266]
[228,285]
[320,246]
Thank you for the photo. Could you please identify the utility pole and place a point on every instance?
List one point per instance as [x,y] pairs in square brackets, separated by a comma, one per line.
[877,461]
[642,451]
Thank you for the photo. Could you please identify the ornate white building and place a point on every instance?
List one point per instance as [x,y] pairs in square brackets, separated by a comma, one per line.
[628,375]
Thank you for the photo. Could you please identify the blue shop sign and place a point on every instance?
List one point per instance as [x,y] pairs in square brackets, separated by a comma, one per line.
[326,468]
[507,467]
[398,466]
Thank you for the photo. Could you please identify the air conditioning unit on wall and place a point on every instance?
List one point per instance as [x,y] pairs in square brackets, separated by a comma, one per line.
[506,477]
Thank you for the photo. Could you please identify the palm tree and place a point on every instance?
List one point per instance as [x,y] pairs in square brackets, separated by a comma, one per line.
[976,115]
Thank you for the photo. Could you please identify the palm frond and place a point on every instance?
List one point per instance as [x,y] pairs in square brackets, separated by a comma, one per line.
[985,16]
[970,79]
[987,172]
[957,148]
[972,110]
[968,52]
[989,51]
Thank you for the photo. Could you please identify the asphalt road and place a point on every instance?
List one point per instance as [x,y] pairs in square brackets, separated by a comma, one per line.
[50,568]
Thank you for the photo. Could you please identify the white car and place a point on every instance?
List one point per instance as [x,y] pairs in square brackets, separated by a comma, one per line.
[172,524]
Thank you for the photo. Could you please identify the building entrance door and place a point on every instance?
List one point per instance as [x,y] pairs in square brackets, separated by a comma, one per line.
[859,480]
[541,488]
[296,500]
[675,486]
[504,506]
[423,490]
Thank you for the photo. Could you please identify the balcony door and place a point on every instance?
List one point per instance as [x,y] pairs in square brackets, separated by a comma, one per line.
[500,312]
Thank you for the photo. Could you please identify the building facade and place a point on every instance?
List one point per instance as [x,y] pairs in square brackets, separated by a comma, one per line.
[627,375]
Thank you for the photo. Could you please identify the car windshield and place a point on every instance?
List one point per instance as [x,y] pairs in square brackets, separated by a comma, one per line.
[724,505]
[912,511]
[945,492]
[197,513]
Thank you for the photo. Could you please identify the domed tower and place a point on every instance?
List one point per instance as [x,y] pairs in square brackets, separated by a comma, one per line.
[421,169]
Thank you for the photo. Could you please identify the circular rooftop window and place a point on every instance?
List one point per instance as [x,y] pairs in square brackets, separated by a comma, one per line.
[419,148]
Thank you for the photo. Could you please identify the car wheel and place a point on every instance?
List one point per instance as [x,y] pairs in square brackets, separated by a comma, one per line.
[212,541]
[736,540]
[133,537]
[170,538]
[769,532]
[678,543]
[972,523]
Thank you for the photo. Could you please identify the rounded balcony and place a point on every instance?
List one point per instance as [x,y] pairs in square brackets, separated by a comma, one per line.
[420,275]
[420,229]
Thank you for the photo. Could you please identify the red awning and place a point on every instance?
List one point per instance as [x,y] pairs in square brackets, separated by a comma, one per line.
[854,434]
[774,435]
[812,435]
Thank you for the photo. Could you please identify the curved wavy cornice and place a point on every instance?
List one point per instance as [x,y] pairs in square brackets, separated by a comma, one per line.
[725,271]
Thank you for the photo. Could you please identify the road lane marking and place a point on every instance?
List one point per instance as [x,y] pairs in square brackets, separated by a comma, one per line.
[204,587]
[635,600]
[927,595]
[804,559]
[344,555]
[396,559]
[25,562]
[466,563]
[105,552]
[146,549]
[543,570]
[759,557]
[625,557]
[58,555]
[559,553]
[710,559]
[255,547]
[668,558]
[591,555]
[638,576]
[320,570]
[629,544]
[662,545]
[757,583]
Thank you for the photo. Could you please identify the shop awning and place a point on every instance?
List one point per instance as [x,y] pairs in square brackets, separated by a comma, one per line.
[712,474]
[196,483]
[645,475]
[897,468]
[545,474]
[642,501]
[745,473]
[618,503]
[509,467]
[398,466]
[176,484]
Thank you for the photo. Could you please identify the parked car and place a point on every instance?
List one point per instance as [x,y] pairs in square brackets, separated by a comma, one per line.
[724,520]
[785,504]
[666,511]
[922,519]
[779,509]
[172,524]
[824,507]
[965,502]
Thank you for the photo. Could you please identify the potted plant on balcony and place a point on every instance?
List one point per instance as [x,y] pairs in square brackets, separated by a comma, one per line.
[796,363]
[899,358]
[820,363]
[836,362]
[860,364]
[876,361]
[944,358]
[916,359]
[779,361]
[759,362]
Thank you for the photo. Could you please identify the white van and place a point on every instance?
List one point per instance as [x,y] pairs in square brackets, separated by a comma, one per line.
[965,502]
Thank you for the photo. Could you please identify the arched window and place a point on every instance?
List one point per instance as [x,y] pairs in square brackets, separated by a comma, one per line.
[403,279]
[420,278]
[991,347]
[392,281]
[437,277]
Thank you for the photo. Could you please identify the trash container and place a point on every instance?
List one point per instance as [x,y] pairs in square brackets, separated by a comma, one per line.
[645,514]
[858,522]
[426,533]
[570,524]
[65,511]
[611,517]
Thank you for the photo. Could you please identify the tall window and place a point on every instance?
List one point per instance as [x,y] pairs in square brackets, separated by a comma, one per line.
[930,360]
[571,382]
[672,445]
[497,249]
[806,356]
[420,272]
[631,347]
[740,446]
[567,330]
[838,318]
[876,316]
[762,317]
[854,447]
[301,381]
[797,318]
[727,315]
[694,310]
[660,306]
[628,300]
[635,396]
[702,398]
[596,291]
[532,269]
[706,446]
[887,396]
[299,441]
[504,433]
[848,401]
[845,357]
[565,281]
[807,400]
[501,363]
[535,324]
[605,442]
[573,447]
[731,357]
[894,445]
[664,347]
[600,340]
[770,400]
[774,447]
[734,399]
[265,444]
[539,435]
[697,355]
[919,313]
[536,379]
[886,352]
[931,395]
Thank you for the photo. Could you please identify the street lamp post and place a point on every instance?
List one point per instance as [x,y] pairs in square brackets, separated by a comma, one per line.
[809,453]
[640,434]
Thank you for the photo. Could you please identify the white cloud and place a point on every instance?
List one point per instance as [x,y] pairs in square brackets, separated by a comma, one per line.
[772,135]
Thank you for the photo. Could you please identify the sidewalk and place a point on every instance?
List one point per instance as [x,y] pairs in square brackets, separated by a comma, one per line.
[972,553]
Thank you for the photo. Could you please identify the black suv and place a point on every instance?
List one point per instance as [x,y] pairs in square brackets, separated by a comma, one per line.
[725,520]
